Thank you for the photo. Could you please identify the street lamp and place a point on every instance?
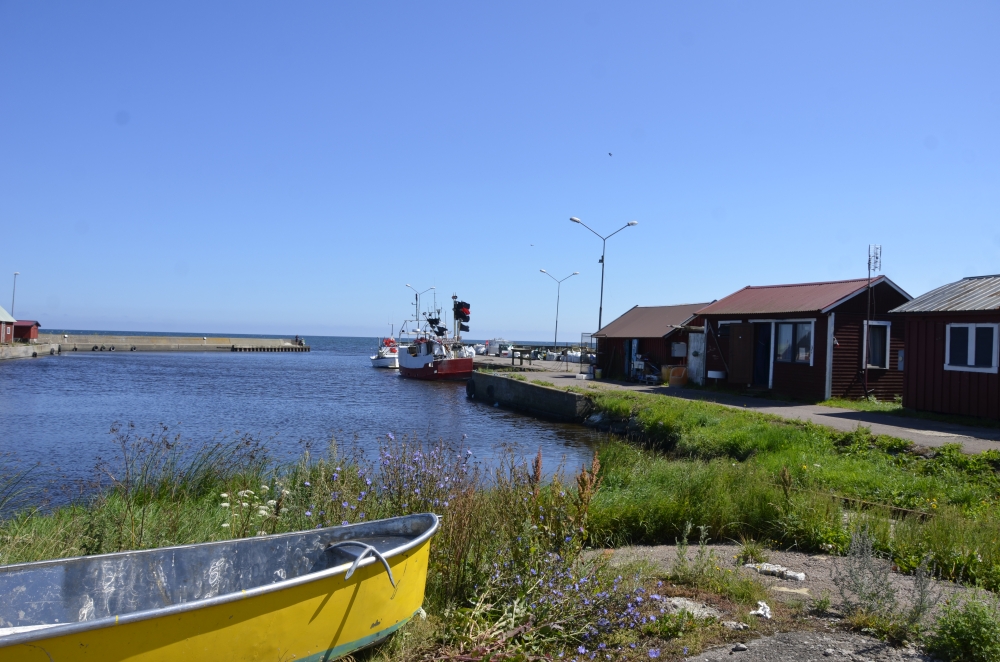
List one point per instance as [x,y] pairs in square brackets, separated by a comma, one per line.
[14,293]
[555,340]
[417,303]
[604,242]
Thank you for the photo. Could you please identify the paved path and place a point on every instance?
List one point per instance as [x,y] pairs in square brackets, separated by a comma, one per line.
[919,431]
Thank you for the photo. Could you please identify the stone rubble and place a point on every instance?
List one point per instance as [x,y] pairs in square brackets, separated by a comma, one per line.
[813,647]
[775,570]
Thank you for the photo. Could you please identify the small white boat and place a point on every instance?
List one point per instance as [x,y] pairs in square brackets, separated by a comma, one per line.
[387,354]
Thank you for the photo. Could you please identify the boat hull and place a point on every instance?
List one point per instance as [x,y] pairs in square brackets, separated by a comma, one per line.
[438,370]
[318,619]
[390,362]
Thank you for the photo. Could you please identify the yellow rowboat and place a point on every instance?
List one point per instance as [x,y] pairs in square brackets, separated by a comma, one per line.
[312,595]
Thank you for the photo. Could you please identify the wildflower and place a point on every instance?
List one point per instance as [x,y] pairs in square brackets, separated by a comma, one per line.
[654,652]
[581,650]
[225,525]
[307,484]
[391,438]
[309,513]
[244,504]
[223,505]
[344,505]
[685,651]
[264,488]
[262,512]
[262,533]
[272,502]
[344,523]
[225,495]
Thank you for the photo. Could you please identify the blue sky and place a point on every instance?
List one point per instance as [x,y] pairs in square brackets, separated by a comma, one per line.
[287,168]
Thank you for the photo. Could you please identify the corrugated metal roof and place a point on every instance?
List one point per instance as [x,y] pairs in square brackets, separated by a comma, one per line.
[972,293]
[5,316]
[650,321]
[795,298]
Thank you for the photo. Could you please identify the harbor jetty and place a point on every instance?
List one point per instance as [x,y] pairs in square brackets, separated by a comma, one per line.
[112,343]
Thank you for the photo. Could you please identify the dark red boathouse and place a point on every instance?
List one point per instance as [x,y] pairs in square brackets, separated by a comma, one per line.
[26,330]
[806,340]
[952,348]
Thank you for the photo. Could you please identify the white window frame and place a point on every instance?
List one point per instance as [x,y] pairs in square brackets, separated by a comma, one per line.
[812,338]
[972,348]
[888,344]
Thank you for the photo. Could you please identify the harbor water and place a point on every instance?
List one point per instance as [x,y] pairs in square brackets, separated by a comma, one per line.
[56,411]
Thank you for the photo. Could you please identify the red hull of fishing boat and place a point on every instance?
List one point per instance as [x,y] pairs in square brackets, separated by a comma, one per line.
[442,369]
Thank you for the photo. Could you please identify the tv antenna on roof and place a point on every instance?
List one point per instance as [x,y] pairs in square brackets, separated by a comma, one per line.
[874,265]
[874,259]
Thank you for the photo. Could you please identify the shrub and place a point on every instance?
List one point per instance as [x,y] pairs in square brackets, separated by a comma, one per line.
[968,630]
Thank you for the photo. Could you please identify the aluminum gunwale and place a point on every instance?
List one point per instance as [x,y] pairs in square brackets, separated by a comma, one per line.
[111,621]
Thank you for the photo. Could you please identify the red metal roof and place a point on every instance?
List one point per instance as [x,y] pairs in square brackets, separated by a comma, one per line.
[649,321]
[795,298]
[27,323]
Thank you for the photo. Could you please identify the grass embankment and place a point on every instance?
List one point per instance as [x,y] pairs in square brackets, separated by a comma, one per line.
[750,475]
[896,408]
[507,577]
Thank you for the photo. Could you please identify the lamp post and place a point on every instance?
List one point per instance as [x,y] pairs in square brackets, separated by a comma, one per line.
[555,340]
[14,293]
[604,243]
[417,302]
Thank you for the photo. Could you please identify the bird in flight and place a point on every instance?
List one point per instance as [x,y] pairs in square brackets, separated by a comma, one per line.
[609,153]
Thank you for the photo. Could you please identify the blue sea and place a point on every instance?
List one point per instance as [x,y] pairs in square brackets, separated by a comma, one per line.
[56,411]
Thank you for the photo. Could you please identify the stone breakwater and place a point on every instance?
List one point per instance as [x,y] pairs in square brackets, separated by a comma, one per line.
[109,343]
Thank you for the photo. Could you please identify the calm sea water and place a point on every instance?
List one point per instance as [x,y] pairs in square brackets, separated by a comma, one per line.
[55,411]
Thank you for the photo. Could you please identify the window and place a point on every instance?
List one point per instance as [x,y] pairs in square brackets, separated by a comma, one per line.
[971,347]
[793,343]
[877,351]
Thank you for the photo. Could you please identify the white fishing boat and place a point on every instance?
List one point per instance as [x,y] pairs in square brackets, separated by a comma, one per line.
[387,354]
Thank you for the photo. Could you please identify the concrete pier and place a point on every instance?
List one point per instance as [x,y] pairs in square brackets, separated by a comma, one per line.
[542,401]
[27,350]
[107,343]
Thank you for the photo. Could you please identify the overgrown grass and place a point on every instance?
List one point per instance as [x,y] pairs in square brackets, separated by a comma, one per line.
[797,485]
[506,576]
[865,404]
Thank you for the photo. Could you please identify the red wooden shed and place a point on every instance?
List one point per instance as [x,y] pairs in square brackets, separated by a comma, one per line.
[952,348]
[6,327]
[806,340]
[26,330]
[655,335]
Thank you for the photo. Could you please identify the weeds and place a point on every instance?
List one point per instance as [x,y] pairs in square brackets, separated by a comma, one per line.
[751,551]
[870,599]
[968,630]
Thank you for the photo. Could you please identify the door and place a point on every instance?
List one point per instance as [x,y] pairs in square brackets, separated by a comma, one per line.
[696,358]
[762,354]
[741,350]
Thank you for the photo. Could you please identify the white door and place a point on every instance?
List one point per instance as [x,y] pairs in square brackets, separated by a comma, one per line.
[696,358]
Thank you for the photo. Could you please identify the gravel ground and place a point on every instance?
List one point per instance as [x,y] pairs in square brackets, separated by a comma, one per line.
[812,647]
[818,569]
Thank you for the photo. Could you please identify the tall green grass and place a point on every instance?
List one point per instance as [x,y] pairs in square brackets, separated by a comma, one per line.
[795,484]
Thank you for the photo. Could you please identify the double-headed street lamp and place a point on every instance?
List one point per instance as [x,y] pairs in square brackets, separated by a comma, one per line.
[417,303]
[555,340]
[14,293]
[604,242]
